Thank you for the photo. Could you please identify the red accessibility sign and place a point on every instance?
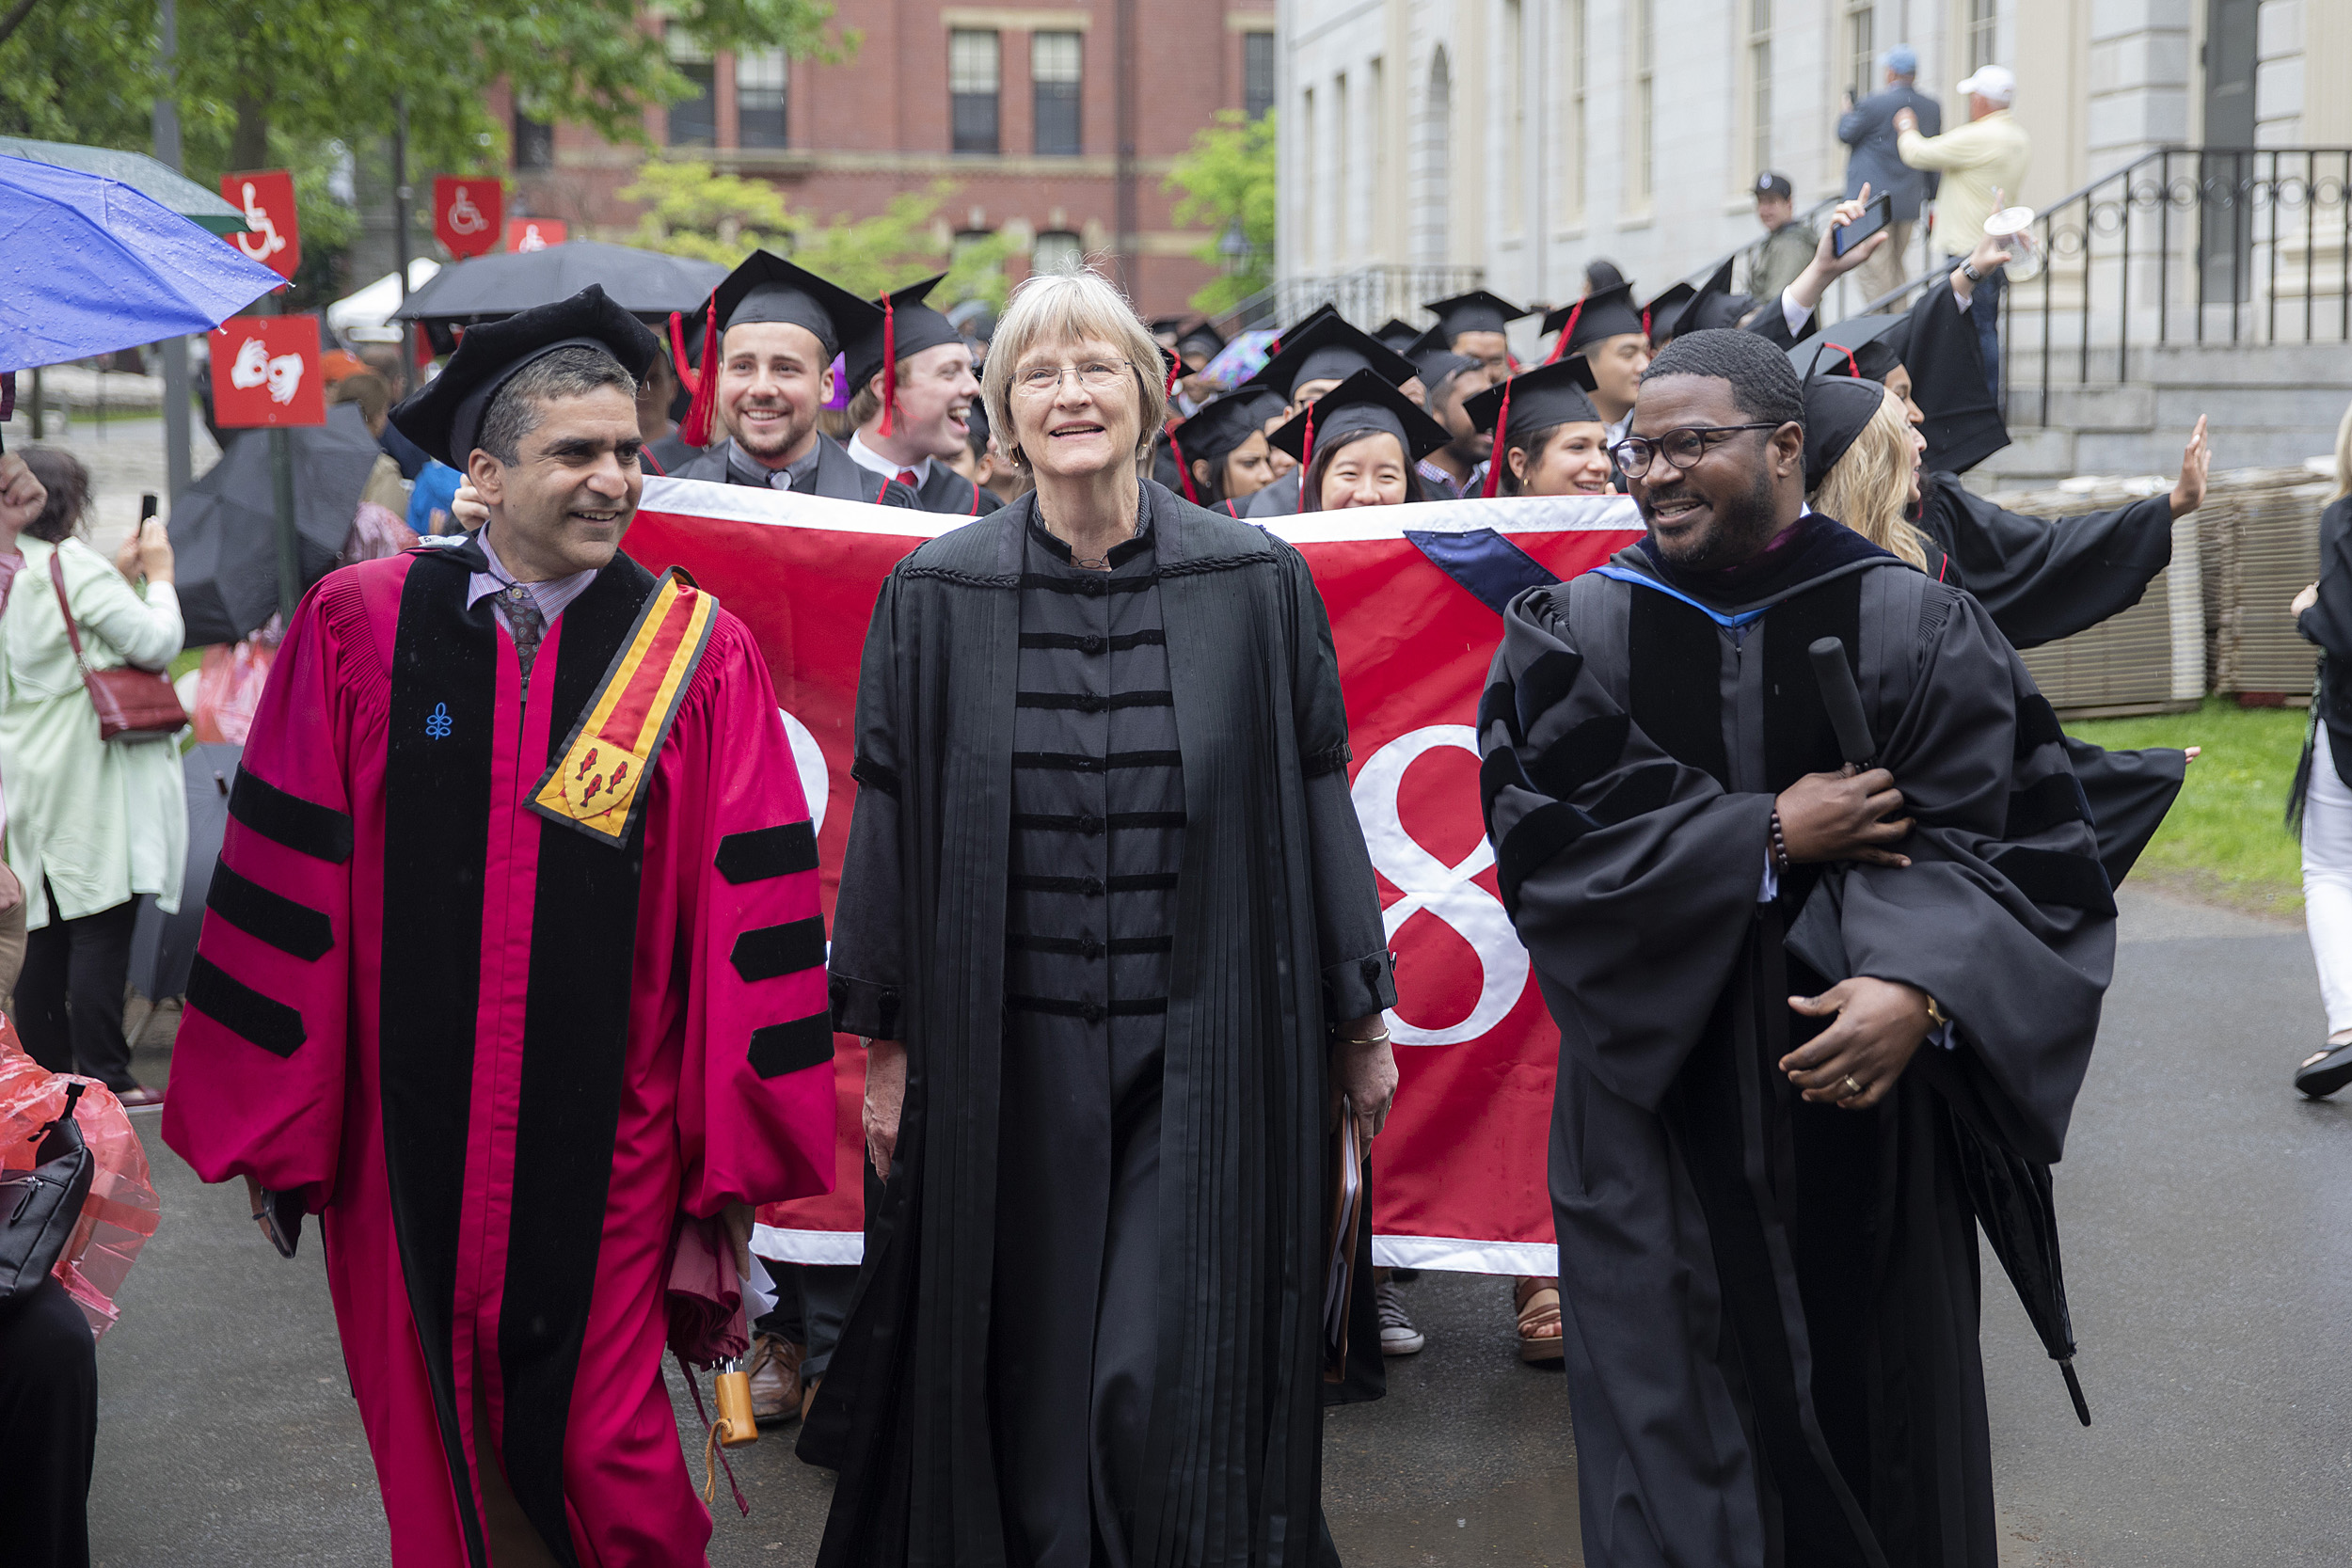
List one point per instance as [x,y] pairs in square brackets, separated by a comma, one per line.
[467,213]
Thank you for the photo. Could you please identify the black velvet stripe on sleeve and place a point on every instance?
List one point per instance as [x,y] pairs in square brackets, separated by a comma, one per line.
[1545,684]
[1540,835]
[291,927]
[246,1012]
[1499,767]
[2044,804]
[1644,789]
[306,827]
[1582,756]
[873,775]
[789,1047]
[1494,707]
[770,951]
[2036,724]
[2055,877]
[760,853]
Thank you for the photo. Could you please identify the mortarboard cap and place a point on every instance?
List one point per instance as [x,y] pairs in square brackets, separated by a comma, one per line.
[445,418]
[1223,423]
[1686,309]
[1548,395]
[1837,408]
[1201,339]
[1475,312]
[1398,333]
[1434,361]
[1604,313]
[903,327]
[1325,347]
[1864,346]
[768,287]
[1365,401]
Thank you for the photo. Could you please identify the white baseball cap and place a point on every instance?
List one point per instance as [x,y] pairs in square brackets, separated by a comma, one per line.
[1995,83]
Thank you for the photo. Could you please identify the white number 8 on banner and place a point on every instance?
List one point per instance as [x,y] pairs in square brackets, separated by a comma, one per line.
[1445,891]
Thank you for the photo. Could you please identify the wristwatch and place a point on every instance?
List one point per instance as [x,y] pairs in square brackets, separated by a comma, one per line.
[1969,269]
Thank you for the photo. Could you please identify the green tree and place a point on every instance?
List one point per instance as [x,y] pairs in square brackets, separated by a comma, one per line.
[264,83]
[692,211]
[1226,177]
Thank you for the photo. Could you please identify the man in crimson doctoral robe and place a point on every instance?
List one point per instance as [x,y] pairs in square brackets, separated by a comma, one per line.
[513,959]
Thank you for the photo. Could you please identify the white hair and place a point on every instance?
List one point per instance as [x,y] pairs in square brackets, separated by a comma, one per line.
[1070,307]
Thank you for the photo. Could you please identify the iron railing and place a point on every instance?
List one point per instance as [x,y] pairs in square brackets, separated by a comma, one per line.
[1366,295]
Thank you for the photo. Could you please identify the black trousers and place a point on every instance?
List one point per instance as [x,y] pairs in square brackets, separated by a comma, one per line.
[812,1302]
[69,997]
[48,1429]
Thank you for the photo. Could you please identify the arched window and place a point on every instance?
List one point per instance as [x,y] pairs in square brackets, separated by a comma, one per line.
[1433,152]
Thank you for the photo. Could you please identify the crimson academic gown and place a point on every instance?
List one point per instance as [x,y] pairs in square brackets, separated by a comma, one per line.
[499,1051]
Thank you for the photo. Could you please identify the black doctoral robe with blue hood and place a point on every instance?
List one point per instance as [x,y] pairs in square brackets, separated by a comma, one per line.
[1770,1306]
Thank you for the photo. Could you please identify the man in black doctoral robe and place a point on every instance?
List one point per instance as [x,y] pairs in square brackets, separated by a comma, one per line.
[770,332]
[1795,1002]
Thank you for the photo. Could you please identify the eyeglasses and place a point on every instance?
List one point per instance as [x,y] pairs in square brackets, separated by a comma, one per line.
[1682,447]
[1095,376]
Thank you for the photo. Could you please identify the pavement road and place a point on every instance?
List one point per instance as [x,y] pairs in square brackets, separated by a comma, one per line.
[2208,1250]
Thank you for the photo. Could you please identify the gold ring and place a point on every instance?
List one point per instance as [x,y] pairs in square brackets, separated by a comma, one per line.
[1852,1088]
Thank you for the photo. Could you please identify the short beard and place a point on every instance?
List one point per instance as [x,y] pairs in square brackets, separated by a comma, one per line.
[1742,529]
[794,432]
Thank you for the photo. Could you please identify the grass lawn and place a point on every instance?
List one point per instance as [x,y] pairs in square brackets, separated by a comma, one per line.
[2225,839]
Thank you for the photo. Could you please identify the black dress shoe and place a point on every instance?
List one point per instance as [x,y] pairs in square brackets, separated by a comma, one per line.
[2326,1072]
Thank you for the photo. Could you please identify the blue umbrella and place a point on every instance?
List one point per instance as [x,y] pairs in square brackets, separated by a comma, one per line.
[89,265]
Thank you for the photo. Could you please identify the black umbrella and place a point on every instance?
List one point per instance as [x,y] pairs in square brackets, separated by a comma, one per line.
[163,946]
[224,530]
[491,288]
[2013,1202]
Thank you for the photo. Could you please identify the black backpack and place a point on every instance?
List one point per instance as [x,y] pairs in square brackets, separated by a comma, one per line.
[40,1208]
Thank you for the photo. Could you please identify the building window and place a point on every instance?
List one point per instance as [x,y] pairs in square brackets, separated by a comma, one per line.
[760,81]
[1645,99]
[972,76]
[534,145]
[1759,84]
[1983,21]
[1055,66]
[1342,146]
[1376,112]
[1055,250]
[695,120]
[1515,116]
[1858,39]
[1578,78]
[1312,220]
[1257,74]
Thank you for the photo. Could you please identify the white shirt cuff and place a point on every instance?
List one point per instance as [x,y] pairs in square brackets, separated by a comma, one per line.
[1790,311]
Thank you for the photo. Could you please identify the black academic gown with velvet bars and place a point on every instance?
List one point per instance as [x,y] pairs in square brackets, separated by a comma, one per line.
[1770,1307]
[930,1410]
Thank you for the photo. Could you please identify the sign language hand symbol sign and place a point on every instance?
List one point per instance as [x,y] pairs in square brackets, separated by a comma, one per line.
[1448,892]
[254,366]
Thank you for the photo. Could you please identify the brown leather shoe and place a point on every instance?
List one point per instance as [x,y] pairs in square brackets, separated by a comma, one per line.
[775,1378]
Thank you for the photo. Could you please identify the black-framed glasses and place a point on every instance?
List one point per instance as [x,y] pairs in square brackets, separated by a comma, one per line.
[1682,447]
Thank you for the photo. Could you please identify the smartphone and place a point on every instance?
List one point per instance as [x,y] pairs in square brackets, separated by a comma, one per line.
[1874,217]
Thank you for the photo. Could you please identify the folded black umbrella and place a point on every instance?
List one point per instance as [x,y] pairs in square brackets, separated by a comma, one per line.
[644,284]
[224,529]
[163,946]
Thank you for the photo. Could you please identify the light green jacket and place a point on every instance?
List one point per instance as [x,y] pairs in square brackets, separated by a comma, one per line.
[98,820]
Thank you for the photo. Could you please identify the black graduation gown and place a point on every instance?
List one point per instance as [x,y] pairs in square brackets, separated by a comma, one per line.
[837,475]
[948,492]
[2328,623]
[2042,578]
[1266,947]
[668,455]
[1771,1307]
[1277,500]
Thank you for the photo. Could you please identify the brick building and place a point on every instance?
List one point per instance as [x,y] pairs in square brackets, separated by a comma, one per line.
[1018,106]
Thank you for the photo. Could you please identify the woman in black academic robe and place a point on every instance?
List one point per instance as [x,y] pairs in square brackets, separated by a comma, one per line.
[1108,1044]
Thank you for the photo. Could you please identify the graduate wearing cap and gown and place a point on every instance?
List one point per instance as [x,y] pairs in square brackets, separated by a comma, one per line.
[1548,436]
[1309,360]
[1769,1253]
[1685,308]
[1607,331]
[1360,445]
[2040,579]
[1477,326]
[1397,333]
[514,970]
[910,421]
[783,325]
[1449,380]
[1221,451]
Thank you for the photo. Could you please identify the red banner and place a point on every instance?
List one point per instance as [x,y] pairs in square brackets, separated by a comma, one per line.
[273,234]
[265,372]
[535,233]
[1460,1170]
[467,213]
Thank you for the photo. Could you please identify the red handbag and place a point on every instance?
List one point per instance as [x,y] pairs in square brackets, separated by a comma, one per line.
[132,703]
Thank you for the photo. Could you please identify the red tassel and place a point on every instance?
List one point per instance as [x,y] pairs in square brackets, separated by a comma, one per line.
[1307,447]
[695,430]
[1184,472]
[1306,468]
[686,375]
[1853,366]
[1174,374]
[890,363]
[1567,330]
[1503,428]
[1646,321]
